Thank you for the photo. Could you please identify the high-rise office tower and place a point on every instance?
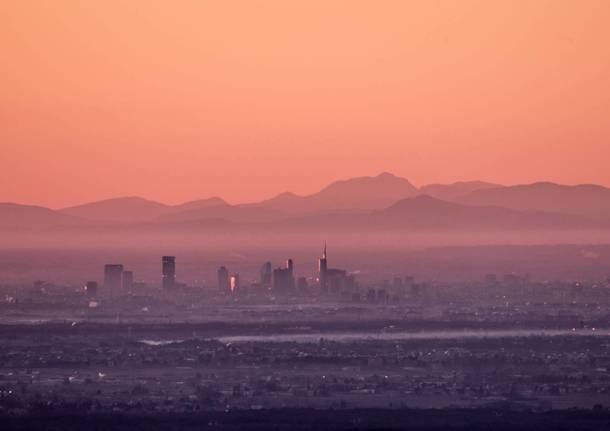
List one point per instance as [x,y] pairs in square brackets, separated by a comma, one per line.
[290,266]
[168,264]
[235,283]
[332,279]
[112,277]
[266,273]
[127,280]
[283,278]
[223,280]
[322,269]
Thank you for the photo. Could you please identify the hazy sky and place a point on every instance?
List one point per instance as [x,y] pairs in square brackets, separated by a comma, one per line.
[175,100]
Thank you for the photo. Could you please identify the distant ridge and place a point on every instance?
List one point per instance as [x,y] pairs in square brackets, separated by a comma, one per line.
[16,216]
[451,192]
[426,212]
[237,214]
[214,201]
[382,200]
[133,209]
[123,209]
[586,200]
[351,194]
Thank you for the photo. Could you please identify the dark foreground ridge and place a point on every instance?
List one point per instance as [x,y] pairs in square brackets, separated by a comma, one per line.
[497,419]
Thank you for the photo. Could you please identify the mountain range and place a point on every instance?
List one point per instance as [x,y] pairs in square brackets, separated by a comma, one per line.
[384,201]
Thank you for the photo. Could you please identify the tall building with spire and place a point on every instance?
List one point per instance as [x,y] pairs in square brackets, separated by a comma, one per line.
[322,269]
[332,279]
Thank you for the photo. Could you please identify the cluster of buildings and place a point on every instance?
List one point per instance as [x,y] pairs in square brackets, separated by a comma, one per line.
[340,284]
[117,279]
[282,280]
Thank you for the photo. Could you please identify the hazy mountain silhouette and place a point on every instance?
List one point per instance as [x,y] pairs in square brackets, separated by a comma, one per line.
[214,201]
[135,209]
[383,201]
[451,192]
[427,212]
[232,213]
[369,192]
[356,193]
[286,201]
[585,200]
[16,216]
[124,209]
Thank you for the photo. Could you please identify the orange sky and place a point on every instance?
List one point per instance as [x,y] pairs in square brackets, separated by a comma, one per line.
[176,100]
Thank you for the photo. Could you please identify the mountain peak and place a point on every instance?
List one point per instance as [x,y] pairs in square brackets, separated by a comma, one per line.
[286,195]
[363,182]
[121,209]
[386,174]
[420,201]
[118,199]
[365,192]
[201,203]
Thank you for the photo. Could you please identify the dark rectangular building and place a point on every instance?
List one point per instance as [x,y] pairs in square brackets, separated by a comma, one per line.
[168,264]
[113,277]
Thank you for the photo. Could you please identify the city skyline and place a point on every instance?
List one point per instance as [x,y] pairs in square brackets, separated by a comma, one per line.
[280,280]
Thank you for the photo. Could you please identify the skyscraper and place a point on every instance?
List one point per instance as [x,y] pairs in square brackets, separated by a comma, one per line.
[266,273]
[112,277]
[223,280]
[332,279]
[168,264]
[235,283]
[283,278]
[322,269]
[127,280]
